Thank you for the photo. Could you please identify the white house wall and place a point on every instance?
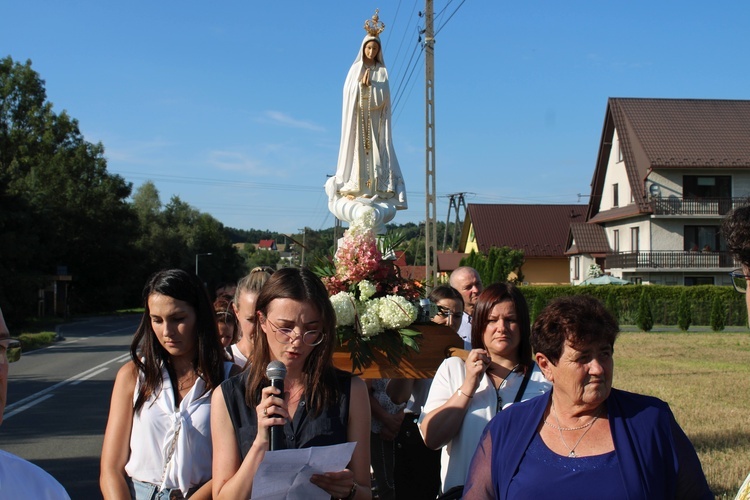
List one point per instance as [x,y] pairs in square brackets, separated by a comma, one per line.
[616,174]
[624,227]
[584,261]
[670,180]
[668,234]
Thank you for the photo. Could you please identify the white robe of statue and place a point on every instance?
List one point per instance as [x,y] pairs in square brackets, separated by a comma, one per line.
[367,173]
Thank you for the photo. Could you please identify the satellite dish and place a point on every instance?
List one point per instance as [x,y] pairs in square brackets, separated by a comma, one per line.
[655,191]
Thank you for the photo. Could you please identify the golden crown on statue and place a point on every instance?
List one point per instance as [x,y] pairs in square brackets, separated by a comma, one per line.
[373,26]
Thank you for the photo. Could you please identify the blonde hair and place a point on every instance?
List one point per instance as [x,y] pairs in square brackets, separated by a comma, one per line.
[252,282]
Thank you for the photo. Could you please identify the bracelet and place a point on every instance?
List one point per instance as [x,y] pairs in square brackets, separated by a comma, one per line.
[463,394]
[353,491]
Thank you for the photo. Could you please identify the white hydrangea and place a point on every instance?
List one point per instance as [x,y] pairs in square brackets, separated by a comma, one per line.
[365,221]
[369,319]
[366,289]
[396,312]
[343,305]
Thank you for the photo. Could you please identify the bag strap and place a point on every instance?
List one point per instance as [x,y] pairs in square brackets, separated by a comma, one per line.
[525,382]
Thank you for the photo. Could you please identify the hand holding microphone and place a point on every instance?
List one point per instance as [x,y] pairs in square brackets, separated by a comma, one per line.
[276,372]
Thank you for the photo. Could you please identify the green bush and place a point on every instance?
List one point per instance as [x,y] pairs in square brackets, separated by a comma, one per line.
[536,307]
[717,315]
[613,305]
[645,317]
[31,341]
[684,313]
[664,301]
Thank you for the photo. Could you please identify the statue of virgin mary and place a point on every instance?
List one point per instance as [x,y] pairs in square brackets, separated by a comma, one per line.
[367,173]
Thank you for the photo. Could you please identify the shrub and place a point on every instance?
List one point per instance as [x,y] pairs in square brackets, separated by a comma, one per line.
[645,317]
[684,312]
[613,305]
[536,307]
[717,315]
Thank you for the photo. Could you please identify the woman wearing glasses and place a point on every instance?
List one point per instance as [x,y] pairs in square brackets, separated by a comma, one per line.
[498,371]
[320,405]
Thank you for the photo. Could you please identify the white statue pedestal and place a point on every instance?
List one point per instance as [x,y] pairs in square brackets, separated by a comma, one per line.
[349,210]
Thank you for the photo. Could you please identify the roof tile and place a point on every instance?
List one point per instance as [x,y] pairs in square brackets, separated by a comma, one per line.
[538,230]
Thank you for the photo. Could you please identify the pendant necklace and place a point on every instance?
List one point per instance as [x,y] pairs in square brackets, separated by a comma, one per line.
[560,429]
[499,397]
[297,393]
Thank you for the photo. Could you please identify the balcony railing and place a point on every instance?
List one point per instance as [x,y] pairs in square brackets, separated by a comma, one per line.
[661,259]
[694,206]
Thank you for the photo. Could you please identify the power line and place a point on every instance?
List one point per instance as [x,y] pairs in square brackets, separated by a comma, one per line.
[449,17]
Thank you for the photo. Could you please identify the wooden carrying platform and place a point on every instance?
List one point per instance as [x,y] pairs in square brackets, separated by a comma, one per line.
[436,343]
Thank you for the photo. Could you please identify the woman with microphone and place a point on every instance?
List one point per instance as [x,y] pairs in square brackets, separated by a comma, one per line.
[320,405]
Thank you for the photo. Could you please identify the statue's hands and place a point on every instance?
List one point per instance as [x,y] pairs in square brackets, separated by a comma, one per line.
[366,77]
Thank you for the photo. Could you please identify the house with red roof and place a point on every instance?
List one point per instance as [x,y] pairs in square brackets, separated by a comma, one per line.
[540,231]
[267,245]
[667,172]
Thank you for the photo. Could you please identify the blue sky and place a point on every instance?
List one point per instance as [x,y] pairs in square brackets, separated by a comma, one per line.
[235,105]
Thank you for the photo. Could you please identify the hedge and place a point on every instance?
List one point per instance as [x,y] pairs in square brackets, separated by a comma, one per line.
[664,300]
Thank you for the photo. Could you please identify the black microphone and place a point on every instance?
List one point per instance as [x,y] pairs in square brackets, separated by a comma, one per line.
[276,372]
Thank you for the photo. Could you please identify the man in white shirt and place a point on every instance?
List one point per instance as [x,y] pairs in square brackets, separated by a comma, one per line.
[19,478]
[468,283]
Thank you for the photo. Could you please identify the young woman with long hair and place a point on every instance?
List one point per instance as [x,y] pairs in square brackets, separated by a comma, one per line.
[320,405]
[158,440]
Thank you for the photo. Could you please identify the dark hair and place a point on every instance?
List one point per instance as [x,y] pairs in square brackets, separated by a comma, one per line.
[446,292]
[209,356]
[736,231]
[580,319]
[224,313]
[319,374]
[489,298]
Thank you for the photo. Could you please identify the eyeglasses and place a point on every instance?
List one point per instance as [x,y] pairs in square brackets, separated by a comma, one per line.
[284,335]
[739,280]
[10,350]
[447,313]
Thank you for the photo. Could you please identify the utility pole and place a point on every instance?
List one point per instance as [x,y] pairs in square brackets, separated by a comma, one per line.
[430,226]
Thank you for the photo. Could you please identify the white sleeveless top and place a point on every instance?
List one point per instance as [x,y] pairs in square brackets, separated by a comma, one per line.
[171,447]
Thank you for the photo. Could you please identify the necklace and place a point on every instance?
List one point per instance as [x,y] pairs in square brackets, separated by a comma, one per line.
[187,381]
[499,397]
[588,427]
[568,428]
[297,393]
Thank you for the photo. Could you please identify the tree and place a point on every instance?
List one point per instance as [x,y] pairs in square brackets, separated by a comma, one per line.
[684,312]
[497,265]
[718,315]
[645,317]
[72,202]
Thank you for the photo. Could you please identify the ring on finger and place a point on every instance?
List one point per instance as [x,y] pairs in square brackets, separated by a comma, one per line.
[265,412]
[477,362]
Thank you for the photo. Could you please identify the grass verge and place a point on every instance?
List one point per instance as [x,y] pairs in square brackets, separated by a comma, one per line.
[31,341]
[705,378]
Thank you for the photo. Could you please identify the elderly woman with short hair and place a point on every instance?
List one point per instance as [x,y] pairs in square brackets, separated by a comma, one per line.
[583,439]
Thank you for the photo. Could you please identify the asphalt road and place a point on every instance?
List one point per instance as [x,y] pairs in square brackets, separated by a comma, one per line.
[58,401]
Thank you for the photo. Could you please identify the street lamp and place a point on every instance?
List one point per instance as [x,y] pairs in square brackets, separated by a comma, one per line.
[196,260]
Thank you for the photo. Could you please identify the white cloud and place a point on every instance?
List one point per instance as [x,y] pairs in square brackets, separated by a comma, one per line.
[235,162]
[285,120]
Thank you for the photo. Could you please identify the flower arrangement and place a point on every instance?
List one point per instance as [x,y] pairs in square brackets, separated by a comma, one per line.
[374,305]
[594,271]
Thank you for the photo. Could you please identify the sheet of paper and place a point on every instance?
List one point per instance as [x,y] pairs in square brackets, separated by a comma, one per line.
[285,474]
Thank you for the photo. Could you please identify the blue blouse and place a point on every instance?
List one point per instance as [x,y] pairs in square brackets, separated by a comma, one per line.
[582,478]
[655,459]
